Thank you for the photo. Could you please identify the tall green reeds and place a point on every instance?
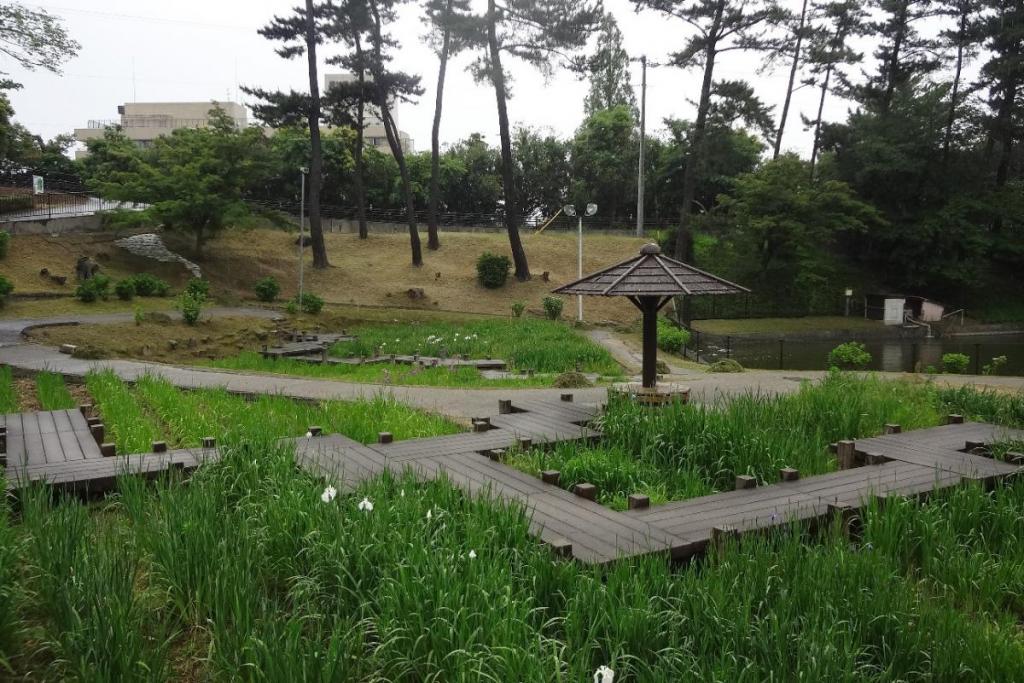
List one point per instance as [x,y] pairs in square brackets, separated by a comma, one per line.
[53,394]
[8,396]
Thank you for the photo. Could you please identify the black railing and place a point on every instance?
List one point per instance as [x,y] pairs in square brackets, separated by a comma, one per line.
[26,205]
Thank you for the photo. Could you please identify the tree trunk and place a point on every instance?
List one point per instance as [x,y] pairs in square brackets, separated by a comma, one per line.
[360,175]
[817,123]
[894,58]
[695,156]
[794,67]
[403,171]
[961,38]
[507,169]
[435,135]
[316,232]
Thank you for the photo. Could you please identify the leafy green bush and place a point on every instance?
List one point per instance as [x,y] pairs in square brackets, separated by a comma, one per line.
[150,285]
[672,338]
[191,305]
[6,287]
[125,289]
[267,289]
[492,270]
[309,303]
[292,308]
[552,307]
[5,241]
[725,365]
[96,287]
[198,288]
[849,356]
[995,366]
[517,309]
[955,363]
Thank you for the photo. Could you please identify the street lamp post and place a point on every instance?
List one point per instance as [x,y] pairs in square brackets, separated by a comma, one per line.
[302,225]
[849,295]
[570,210]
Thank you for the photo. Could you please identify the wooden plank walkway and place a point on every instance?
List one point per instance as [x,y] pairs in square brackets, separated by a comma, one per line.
[427,361]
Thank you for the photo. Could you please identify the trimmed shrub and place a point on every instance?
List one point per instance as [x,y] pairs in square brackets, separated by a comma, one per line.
[725,365]
[198,288]
[88,352]
[849,356]
[291,308]
[517,309]
[267,289]
[671,337]
[6,287]
[150,285]
[552,307]
[572,380]
[191,305]
[955,363]
[5,241]
[125,289]
[310,303]
[96,287]
[492,270]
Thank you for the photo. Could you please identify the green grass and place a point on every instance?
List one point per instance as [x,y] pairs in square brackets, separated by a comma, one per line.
[377,373]
[786,325]
[53,394]
[127,425]
[540,345]
[8,396]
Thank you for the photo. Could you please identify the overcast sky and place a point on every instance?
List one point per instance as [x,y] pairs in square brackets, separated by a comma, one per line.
[198,50]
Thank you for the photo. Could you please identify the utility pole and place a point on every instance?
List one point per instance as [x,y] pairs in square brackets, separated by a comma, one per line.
[640,166]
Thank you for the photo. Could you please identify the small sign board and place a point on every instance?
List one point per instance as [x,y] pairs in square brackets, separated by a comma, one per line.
[37,184]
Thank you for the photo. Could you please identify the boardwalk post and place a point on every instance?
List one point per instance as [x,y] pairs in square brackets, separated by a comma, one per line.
[955,419]
[3,446]
[638,501]
[504,406]
[209,442]
[893,429]
[525,443]
[552,477]
[849,520]
[561,547]
[97,432]
[846,454]
[720,535]
[385,437]
[875,458]
[745,481]
[587,491]
[1015,458]
[481,424]
[85,409]
[159,447]
[567,398]
[789,474]
[316,430]
[108,450]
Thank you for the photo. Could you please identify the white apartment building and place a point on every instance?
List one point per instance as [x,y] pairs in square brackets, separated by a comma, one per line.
[373,131]
[144,122]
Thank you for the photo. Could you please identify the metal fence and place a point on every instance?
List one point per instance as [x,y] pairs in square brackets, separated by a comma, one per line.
[27,206]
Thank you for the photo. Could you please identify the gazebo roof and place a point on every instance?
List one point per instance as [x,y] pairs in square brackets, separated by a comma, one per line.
[651,274]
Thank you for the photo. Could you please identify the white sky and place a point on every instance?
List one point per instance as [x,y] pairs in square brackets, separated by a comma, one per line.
[197,50]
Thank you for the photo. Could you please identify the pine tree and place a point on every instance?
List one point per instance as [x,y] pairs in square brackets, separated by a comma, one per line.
[300,32]
[798,33]
[443,16]
[721,26]
[539,32]
[1003,74]
[963,39]
[834,24]
[903,54]
[609,72]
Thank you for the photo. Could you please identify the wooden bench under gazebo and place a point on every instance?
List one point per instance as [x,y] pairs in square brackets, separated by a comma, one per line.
[650,281]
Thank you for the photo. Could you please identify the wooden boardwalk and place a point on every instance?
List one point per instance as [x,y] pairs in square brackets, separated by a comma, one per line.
[60,449]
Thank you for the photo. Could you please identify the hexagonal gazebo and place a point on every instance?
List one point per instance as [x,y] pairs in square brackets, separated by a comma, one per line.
[650,280]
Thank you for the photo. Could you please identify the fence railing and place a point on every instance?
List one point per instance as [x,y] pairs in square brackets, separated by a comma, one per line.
[26,206]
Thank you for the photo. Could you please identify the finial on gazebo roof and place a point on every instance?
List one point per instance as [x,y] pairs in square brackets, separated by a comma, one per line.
[651,248]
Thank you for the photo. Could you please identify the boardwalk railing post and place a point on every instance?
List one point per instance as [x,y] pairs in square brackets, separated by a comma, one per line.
[159,447]
[209,442]
[893,429]
[108,450]
[567,398]
[525,443]
[560,547]
[955,419]
[504,406]
[385,437]
[849,520]
[587,491]
[720,535]
[552,477]
[97,432]
[745,481]
[316,430]
[3,446]
[85,409]
[846,454]
[638,501]
[789,474]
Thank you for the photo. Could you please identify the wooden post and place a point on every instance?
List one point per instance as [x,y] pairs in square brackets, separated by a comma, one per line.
[385,437]
[561,547]
[745,481]
[504,406]
[955,419]
[92,421]
[525,443]
[552,477]
[315,430]
[323,355]
[1015,458]
[97,432]
[638,501]
[971,445]
[649,308]
[3,439]
[159,447]
[720,535]
[85,409]
[850,521]
[481,424]
[846,453]
[789,474]
[588,491]
[893,429]
[875,459]
[567,398]
[209,442]
[108,450]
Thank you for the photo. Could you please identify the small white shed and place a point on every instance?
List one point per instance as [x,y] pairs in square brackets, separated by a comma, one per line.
[894,311]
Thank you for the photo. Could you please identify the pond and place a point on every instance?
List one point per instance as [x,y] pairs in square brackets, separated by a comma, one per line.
[896,355]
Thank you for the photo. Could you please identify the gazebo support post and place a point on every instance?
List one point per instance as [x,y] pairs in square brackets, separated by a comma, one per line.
[649,307]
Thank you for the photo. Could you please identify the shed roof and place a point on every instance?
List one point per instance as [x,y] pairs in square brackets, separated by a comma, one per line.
[651,274]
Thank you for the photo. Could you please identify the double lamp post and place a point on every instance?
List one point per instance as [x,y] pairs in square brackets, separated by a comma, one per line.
[570,210]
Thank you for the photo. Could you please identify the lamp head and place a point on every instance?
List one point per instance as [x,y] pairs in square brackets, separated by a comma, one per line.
[569,210]
[304,170]
[591,209]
